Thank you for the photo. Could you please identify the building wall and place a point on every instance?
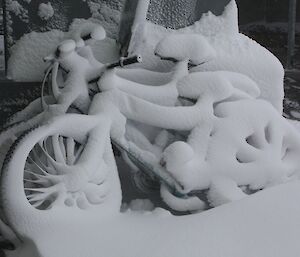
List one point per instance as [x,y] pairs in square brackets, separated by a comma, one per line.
[170,13]
[265,10]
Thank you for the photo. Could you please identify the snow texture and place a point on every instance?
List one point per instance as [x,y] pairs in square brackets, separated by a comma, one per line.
[234,52]
[45,11]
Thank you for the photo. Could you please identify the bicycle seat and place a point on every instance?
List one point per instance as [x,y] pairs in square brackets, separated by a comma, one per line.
[66,47]
[89,32]
[179,47]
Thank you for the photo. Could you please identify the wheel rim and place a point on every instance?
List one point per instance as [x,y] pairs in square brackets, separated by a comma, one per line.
[54,176]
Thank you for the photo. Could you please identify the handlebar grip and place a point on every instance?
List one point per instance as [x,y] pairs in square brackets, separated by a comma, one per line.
[125,61]
[121,63]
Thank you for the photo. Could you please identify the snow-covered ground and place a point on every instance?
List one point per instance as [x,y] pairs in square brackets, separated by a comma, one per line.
[263,225]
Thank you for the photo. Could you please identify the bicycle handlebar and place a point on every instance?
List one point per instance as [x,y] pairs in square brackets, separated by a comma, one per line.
[123,61]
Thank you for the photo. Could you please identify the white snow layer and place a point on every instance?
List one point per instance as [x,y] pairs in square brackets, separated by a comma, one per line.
[263,225]
[234,51]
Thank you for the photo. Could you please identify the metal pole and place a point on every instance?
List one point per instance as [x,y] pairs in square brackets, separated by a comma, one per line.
[134,15]
[291,33]
[5,32]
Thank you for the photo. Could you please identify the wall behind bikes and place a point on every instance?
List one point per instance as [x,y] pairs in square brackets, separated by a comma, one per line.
[264,10]
[24,16]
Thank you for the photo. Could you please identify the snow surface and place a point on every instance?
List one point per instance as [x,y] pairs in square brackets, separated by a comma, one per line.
[234,52]
[263,225]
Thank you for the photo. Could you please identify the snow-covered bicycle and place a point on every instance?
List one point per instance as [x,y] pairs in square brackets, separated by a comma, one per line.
[60,151]
[190,131]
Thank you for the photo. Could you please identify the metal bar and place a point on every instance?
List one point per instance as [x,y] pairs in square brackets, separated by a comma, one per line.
[158,171]
[5,35]
[137,23]
[291,33]
[125,61]
[126,23]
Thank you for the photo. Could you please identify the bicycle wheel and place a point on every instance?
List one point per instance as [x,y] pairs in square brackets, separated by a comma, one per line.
[50,168]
